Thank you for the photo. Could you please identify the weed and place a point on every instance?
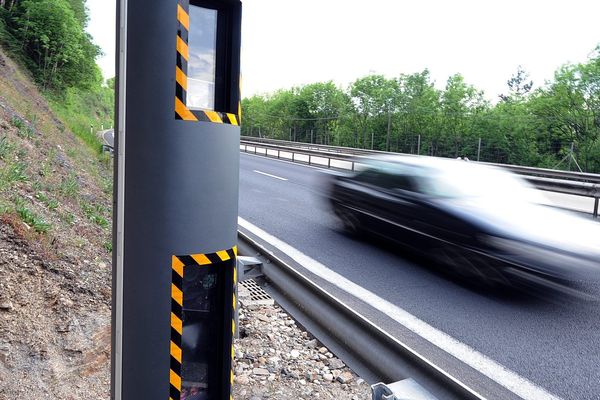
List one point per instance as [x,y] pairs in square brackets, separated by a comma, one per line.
[108,246]
[50,203]
[94,212]
[70,186]
[31,218]
[17,122]
[33,118]
[107,185]
[6,148]
[16,172]
[45,169]
[68,217]
[26,132]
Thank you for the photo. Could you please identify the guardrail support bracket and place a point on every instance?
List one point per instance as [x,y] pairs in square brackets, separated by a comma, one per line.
[249,268]
[406,389]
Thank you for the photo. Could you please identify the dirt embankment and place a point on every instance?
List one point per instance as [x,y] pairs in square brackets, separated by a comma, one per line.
[55,198]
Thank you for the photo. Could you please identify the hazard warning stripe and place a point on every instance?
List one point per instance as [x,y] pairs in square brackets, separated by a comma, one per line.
[182,112]
[176,328]
[181,78]
[178,265]
[183,17]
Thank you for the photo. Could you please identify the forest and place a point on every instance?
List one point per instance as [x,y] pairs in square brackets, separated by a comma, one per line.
[556,125]
[48,38]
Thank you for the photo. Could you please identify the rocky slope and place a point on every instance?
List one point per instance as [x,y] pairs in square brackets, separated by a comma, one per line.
[55,196]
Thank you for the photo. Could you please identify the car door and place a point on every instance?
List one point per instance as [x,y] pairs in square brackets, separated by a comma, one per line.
[399,204]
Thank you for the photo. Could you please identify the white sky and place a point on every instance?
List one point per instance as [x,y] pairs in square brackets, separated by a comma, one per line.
[287,43]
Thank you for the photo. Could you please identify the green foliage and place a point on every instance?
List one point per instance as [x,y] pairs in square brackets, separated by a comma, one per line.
[95,213]
[108,246]
[56,48]
[107,185]
[52,204]
[49,38]
[70,186]
[79,11]
[85,112]
[29,217]
[6,148]
[26,132]
[408,114]
[16,172]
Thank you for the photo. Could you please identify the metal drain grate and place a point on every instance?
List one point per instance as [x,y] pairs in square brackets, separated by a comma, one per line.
[250,293]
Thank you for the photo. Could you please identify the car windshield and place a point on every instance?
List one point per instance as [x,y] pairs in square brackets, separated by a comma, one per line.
[474,181]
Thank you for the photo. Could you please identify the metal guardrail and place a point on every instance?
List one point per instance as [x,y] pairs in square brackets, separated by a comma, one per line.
[572,183]
[384,357]
[542,172]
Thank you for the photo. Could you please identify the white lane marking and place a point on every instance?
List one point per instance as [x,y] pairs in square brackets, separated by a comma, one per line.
[272,176]
[485,365]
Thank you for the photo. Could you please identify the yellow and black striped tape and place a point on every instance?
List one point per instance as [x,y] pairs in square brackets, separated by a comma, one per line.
[182,112]
[177,265]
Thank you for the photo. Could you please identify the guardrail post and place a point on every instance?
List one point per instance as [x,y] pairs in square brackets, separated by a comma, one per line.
[596,207]
[328,162]
[293,154]
[309,159]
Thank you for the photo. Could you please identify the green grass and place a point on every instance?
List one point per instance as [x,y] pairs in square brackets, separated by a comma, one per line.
[70,186]
[16,172]
[95,213]
[30,218]
[23,129]
[107,185]
[6,148]
[50,203]
[17,122]
[85,112]
[26,132]
[108,246]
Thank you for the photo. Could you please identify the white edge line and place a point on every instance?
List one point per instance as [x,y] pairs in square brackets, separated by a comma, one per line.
[269,175]
[481,363]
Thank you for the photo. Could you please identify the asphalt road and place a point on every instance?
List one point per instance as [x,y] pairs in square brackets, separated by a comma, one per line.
[551,341]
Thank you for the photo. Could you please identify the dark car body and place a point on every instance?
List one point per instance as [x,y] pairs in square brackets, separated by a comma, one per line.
[481,222]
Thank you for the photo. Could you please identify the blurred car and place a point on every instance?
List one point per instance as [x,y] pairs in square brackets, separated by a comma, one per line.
[481,222]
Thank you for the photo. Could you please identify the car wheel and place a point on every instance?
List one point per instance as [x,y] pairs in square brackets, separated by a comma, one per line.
[471,266]
[350,222]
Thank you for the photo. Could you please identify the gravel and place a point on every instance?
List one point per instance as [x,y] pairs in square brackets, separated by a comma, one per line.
[275,359]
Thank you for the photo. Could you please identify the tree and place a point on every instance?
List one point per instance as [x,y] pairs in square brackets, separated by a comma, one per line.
[59,52]
[326,104]
[519,86]
[373,97]
[418,105]
[459,103]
